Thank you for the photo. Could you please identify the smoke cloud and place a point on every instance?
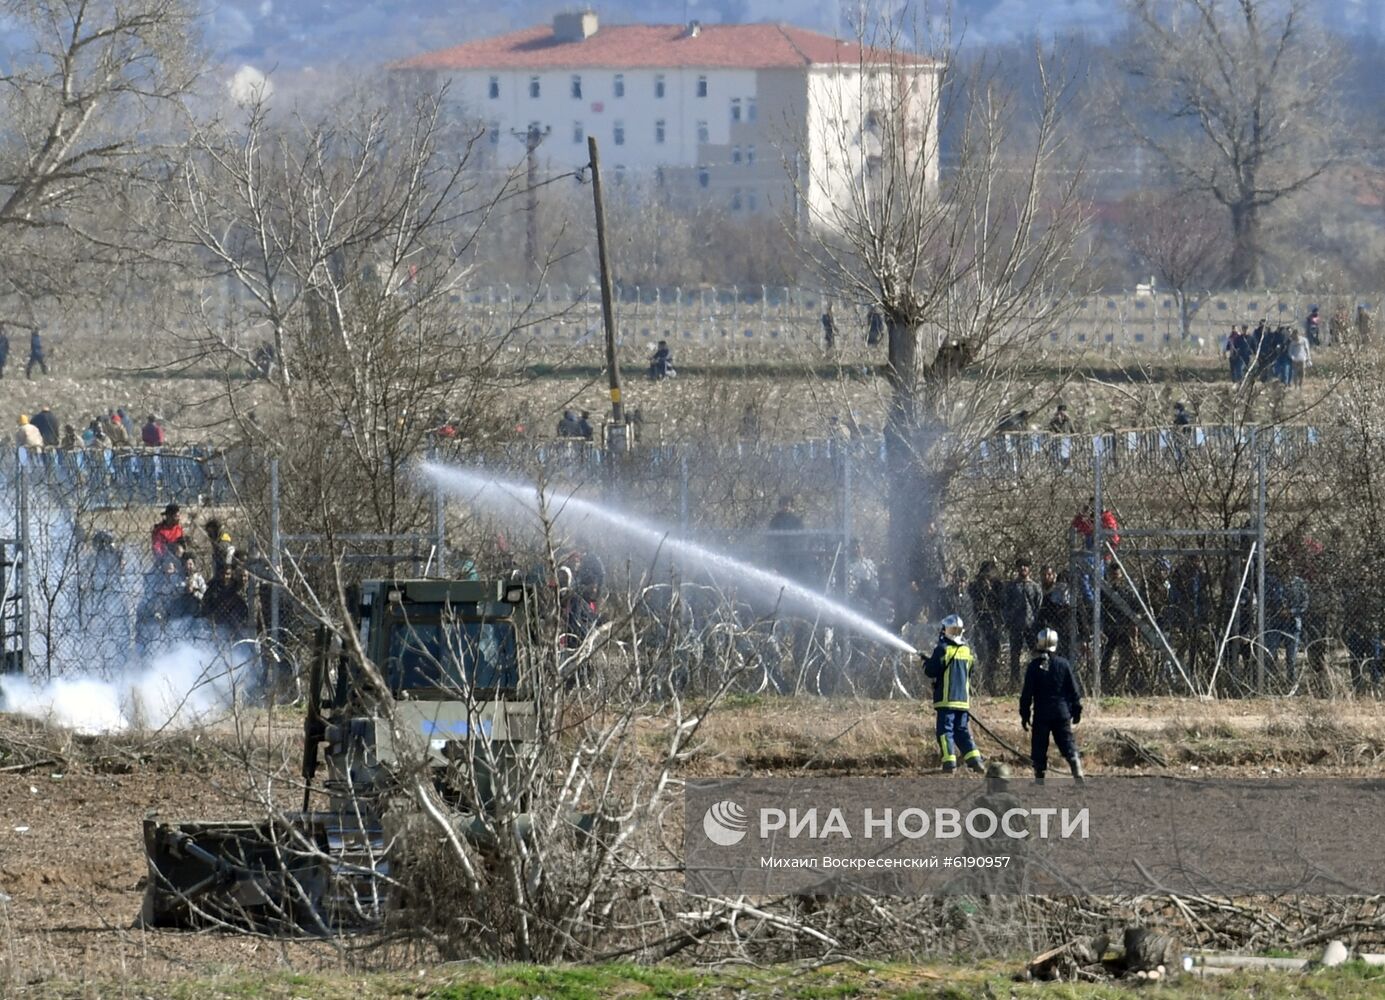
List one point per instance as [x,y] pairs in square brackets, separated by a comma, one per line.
[186,686]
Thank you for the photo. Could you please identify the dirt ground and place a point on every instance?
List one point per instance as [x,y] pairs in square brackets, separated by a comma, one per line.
[72,863]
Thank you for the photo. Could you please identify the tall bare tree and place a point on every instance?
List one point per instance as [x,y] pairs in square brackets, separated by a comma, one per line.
[1183,242]
[1238,99]
[88,102]
[971,258]
[330,255]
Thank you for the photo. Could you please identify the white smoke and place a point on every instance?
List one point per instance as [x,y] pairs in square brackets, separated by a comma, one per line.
[188,685]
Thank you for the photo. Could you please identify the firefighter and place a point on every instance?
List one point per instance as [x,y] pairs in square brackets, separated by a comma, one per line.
[1053,697]
[950,668]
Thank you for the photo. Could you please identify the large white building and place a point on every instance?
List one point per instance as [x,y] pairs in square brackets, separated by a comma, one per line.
[727,114]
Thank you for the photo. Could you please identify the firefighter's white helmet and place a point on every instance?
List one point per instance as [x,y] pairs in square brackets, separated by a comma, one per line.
[953,626]
[1047,641]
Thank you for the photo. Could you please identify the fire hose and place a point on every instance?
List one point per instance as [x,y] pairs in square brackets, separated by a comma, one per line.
[985,729]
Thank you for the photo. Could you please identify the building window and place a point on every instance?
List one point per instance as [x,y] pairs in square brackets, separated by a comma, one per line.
[750,112]
[659,131]
[620,173]
[493,133]
[749,154]
[735,109]
[735,154]
[701,86]
[494,88]
[533,86]
[659,85]
[620,133]
[873,121]
[703,177]
[659,176]
[751,202]
[579,133]
[620,84]
[577,86]
[702,133]
[736,200]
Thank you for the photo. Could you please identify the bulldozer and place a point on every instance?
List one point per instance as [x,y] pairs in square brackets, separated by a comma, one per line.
[450,655]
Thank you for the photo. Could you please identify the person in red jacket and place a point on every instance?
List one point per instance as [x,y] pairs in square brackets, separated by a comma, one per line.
[1084,524]
[167,533]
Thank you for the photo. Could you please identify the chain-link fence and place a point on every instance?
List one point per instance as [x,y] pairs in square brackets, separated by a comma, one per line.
[764,315]
[1178,601]
[114,560]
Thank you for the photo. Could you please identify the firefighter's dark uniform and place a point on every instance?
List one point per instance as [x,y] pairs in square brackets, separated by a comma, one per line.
[950,668]
[1052,694]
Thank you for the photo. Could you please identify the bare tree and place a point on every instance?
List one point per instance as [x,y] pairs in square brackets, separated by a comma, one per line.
[331,255]
[1245,94]
[970,260]
[87,106]
[1182,243]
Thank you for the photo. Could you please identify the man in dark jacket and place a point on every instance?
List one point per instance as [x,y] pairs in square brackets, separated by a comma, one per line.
[47,423]
[987,594]
[875,327]
[949,666]
[37,356]
[1023,597]
[1050,705]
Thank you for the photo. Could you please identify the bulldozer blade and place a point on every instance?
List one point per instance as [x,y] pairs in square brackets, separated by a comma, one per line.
[254,875]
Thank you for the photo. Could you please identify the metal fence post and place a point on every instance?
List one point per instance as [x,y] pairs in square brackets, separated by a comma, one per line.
[683,489]
[25,590]
[439,525]
[276,554]
[1260,490]
[1095,567]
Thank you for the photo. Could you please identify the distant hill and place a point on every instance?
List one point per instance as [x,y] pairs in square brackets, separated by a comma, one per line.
[320,35]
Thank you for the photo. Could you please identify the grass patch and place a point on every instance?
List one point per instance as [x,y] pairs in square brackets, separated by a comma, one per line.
[892,981]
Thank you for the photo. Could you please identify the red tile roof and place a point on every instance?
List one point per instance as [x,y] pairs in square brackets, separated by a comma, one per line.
[653,46]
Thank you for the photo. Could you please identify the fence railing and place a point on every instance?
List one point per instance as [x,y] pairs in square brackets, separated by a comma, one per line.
[107,477]
[1008,454]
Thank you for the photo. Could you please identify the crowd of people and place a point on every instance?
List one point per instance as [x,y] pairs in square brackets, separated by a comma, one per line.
[182,587]
[116,429]
[1280,353]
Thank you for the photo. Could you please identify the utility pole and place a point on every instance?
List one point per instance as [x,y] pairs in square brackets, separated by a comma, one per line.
[618,440]
[533,138]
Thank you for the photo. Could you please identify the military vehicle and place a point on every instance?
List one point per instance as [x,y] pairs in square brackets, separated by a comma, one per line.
[450,655]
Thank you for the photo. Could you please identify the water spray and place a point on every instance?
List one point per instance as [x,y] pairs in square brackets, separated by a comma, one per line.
[592,519]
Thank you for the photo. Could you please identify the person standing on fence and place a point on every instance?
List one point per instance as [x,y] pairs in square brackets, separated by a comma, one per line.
[167,533]
[4,349]
[585,431]
[875,327]
[28,436]
[950,666]
[37,356]
[1050,705]
[1300,358]
[1023,598]
[1061,422]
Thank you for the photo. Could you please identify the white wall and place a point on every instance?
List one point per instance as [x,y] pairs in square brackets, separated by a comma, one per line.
[598,111]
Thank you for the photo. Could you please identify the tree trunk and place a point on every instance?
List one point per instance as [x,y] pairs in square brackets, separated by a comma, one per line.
[1184,318]
[910,506]
[1245,269]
